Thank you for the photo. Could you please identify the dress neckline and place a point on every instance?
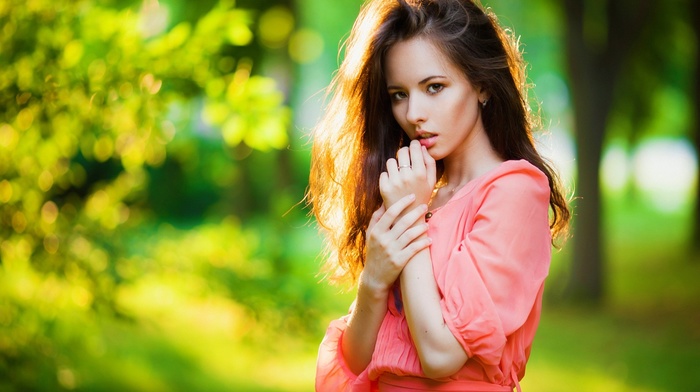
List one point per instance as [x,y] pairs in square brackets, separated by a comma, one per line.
[469,186]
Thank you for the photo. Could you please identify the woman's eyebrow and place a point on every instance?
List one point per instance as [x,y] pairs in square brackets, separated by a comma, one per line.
[429,78]
[422,82]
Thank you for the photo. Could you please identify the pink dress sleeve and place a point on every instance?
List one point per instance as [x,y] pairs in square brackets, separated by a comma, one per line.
[332,372]
[492,278]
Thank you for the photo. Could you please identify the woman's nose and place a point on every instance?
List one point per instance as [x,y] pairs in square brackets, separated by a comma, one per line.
[415,114]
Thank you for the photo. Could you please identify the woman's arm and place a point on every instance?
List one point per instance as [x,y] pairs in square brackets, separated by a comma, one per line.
[440,353]
[366,317]
[393,238]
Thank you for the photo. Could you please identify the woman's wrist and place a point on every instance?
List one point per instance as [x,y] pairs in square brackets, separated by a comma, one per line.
[371,289]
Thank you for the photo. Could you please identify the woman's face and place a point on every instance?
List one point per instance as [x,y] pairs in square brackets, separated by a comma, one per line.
[432,100]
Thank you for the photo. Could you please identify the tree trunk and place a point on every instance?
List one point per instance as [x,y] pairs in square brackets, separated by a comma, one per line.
[592,106]
[589,127]
[598,36]
[695,131]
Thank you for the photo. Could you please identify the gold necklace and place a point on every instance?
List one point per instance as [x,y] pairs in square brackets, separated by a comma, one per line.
[442,182]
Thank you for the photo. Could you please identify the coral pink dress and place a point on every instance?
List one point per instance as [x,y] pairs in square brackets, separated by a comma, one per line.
[491,251]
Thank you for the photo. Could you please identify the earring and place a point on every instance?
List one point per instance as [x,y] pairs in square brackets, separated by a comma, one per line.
[483,104]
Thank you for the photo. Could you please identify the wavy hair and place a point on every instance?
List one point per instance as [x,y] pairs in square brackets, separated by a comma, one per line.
[358,133]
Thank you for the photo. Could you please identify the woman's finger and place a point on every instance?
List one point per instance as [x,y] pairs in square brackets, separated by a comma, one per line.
[417,158]
[414,247]
[409,219]
[383,184]
[376,215]
[388,219]
[392,167]
[410,235]
[404,158]
[430,166]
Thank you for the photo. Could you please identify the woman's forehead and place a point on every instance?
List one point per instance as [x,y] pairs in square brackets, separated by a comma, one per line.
[415,59]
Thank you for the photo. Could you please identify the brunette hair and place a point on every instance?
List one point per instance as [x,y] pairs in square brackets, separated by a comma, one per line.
[358,132]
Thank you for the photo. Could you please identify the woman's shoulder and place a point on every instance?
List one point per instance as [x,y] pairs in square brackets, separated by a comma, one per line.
[516,171]
[511,179]
[516,176]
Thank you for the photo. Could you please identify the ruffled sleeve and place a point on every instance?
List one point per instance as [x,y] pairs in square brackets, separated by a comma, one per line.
[491,279]
[332,372]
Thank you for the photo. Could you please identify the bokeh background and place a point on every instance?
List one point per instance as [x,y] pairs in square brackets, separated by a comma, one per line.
[154,156]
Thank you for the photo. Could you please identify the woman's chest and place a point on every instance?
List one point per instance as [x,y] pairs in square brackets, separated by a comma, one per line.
[448,227]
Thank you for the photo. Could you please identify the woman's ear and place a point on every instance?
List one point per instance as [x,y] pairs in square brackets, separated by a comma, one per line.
[483,96]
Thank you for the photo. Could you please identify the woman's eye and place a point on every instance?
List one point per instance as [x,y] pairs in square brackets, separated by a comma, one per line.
[435,88]
[397,96]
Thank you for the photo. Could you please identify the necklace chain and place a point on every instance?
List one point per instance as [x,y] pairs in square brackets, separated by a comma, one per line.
[442,182]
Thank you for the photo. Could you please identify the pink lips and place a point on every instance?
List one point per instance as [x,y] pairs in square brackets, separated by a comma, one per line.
[427,142]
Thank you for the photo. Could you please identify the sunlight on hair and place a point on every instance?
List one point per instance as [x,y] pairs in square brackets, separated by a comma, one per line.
[360,40]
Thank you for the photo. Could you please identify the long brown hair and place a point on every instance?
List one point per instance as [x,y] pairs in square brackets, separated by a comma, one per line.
[358,132]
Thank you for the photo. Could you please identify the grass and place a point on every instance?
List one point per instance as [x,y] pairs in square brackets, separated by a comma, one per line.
[583,350]
[645,336]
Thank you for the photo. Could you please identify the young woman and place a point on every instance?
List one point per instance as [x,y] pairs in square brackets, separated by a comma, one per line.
[434,201]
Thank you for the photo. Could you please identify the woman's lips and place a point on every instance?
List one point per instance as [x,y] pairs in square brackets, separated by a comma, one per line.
[427,140]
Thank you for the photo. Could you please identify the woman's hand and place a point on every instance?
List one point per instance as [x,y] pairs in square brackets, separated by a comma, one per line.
[413,172]
[393,238]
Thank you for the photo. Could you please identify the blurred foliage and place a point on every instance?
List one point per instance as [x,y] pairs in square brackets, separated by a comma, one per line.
[132,145]
[150,237]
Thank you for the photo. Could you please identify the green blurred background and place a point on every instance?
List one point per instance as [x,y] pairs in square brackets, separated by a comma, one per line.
[154,157]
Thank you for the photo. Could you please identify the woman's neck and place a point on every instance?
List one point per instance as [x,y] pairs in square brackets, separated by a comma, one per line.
[458,171]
